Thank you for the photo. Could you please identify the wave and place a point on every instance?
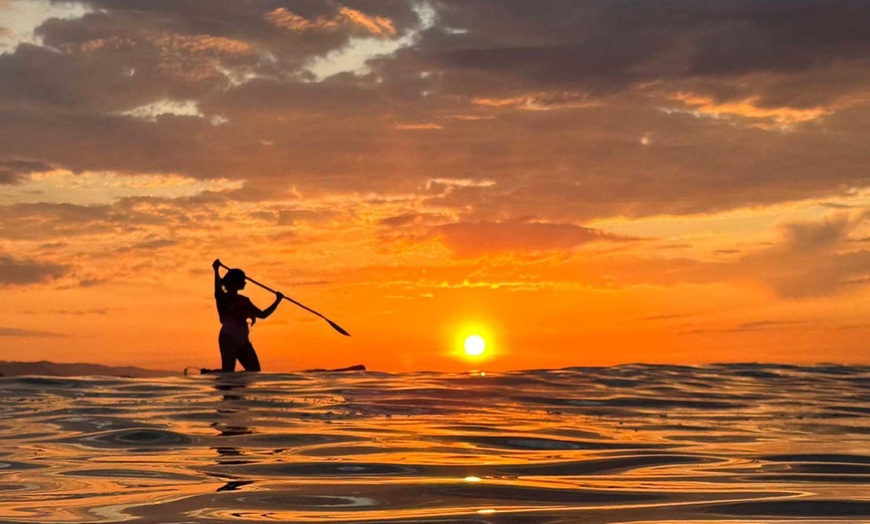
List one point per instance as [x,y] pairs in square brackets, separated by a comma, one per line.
[634,443]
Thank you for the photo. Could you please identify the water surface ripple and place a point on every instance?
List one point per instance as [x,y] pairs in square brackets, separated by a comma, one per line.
[628,444]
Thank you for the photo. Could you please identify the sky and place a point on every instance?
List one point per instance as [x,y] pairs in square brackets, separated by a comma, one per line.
[578,183]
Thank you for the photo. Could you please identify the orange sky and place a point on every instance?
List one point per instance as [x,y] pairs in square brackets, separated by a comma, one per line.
[593,183]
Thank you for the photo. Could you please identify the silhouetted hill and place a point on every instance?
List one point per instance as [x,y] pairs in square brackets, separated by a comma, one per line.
[45,368]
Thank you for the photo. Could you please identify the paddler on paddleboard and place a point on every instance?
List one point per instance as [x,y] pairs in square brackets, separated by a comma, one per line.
[234,311]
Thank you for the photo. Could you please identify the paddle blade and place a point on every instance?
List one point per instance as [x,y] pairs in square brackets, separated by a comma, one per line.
[337,328]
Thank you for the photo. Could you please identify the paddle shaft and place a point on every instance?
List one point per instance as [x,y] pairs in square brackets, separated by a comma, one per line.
[303,306]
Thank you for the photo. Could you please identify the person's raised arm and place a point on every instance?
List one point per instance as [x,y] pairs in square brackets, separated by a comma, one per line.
[218,287]
[271,309]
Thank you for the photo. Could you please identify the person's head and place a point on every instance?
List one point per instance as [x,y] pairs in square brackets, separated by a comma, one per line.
[234,280]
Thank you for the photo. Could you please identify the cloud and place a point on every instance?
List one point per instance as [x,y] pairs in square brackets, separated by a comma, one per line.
[152,111]
[50,221]
[13,170]
[148,246]
[761,36]
[22,18]
[290,21]
[419,127]
[541,101]
[345,17]
[138,90]
[759,325]
[401,220]
[766,117]
[479,238]
[414,218]
[196,58]
[132,219]
[15,271]
[517,77]
[17,332]
[74,312]
[9,177]
[810,260]
[819,235]
[375,25]
[117,59]
[813,259]
[629,42]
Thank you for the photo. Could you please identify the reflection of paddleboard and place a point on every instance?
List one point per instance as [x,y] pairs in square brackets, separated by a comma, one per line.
[205,371]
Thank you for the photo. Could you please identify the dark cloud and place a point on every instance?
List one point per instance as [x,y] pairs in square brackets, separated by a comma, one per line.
[762,36]
[73,312]
[188,47]
[835,205]
[14,170]
[233,18]
[691,165]
[557,66]
[15,271]
[413,219]
[50,222]
[817,236]
[569,110]
[759,325]
[18,332]
[149,245]
[400,220]
[288,217]
[606,45]
[745,327]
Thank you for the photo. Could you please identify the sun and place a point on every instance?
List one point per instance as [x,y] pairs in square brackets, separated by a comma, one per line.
[474,346]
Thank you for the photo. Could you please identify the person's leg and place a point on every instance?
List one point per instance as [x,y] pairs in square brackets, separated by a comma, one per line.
[248,357]
[229,352]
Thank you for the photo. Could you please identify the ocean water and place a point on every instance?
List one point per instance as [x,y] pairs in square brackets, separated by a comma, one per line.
[627,444]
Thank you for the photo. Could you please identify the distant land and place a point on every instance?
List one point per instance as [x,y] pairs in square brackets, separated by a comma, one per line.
[53,369]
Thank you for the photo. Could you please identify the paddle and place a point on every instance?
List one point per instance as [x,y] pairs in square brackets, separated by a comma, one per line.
[303,306]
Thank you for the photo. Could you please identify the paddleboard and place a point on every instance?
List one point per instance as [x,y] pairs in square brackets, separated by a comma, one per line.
[191,370]
[358,367]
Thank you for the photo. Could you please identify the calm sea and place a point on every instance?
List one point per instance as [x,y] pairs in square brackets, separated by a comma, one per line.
[628,444]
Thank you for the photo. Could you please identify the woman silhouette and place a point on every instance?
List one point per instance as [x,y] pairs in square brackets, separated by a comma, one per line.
[234,311]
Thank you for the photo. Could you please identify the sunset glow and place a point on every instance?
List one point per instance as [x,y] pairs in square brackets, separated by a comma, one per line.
[571,187]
